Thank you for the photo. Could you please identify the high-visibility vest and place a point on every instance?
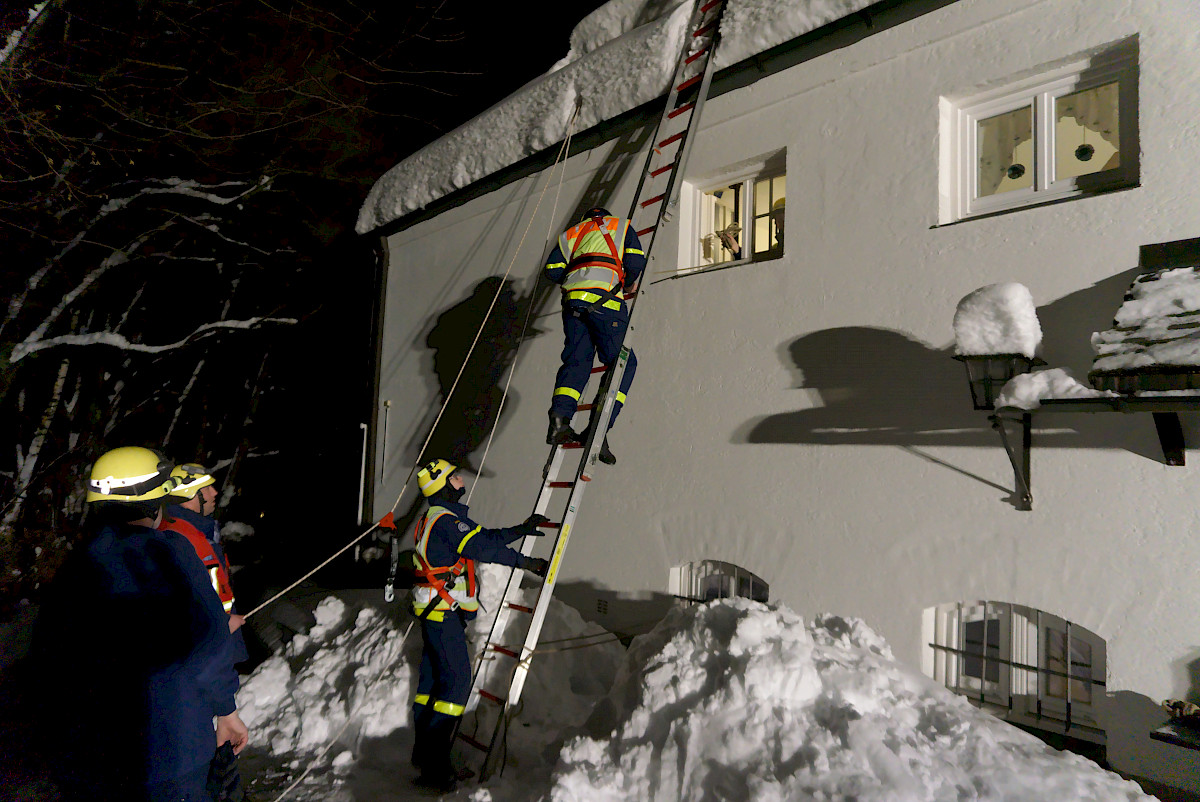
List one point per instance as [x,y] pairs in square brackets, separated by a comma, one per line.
[449,587]
[594,250]
[218,572]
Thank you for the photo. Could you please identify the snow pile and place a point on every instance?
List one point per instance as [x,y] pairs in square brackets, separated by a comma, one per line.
[622,55]
[1157,324]
[736,700]
[358,666]
[1029,389]
[997,319]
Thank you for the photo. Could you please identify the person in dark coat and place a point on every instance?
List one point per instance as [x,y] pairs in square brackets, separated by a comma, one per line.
[595,261]
[129,644]
[445,598]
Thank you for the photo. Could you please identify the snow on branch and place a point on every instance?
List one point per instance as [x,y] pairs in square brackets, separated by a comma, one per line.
[120,341]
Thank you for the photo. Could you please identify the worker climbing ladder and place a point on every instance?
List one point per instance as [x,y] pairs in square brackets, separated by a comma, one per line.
[504,659]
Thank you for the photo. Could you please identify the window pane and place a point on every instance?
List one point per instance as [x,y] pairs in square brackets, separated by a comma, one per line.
[1004,146]
[762,197]
[1086,132]
[974,644]
[778,188]
[723,243]
[1080,666]
[762,235]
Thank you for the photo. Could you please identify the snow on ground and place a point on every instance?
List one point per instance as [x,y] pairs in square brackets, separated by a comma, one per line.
[1157,324]
[732,700]
[621,56]
[997,319]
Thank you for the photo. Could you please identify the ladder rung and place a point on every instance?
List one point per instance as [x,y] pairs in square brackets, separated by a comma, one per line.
[570,445]
[584,407]
[669,140]
[695,79]
[695,55]
[655,199]
[559,484]
[518,607]
[505,651]
[704,8]
[473,742]
[491,697]
[704,30]
[661,170]
[643,232]
[600,369]
[671,116]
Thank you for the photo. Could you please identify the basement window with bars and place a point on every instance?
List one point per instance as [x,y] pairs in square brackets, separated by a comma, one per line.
[706,580]
[1066,132]
[736,218]
[1030,667]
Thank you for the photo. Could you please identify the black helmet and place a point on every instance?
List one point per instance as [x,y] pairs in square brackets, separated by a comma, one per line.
[594,212]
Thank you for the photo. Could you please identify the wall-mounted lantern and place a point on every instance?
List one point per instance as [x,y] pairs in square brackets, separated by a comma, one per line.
[988,373]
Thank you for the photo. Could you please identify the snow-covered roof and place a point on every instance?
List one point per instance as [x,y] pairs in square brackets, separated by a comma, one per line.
[621,55]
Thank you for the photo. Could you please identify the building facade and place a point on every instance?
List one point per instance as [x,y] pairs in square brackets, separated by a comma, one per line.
[797,416]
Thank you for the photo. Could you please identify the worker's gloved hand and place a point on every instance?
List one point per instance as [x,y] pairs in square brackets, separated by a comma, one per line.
[530,525]
[534,565]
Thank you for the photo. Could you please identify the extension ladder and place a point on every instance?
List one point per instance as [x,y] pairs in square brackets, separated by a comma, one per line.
[504,659]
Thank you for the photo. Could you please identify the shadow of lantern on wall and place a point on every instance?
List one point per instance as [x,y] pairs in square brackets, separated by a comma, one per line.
[988,373]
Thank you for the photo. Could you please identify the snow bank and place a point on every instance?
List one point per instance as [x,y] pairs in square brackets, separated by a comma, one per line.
[1028,390]
[1157,324]
[621,56]
[736,700]
[997,319]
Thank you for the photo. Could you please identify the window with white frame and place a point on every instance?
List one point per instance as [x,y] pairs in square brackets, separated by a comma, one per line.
[705,580]
[738,217]
[1068,131]
[1030,667]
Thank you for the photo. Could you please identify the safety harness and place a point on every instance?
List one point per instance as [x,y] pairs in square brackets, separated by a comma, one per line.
[439,577]
[612,261]
[218,572]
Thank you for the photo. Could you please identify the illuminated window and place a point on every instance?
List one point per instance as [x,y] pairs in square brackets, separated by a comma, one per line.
[1066,132]
[705,580]
[738,218]
[1028,666]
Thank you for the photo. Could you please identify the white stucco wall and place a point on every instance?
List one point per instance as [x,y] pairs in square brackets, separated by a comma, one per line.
[802,417]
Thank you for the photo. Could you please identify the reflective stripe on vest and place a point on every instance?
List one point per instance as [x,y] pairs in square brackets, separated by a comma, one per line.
[218,572]
[594,251]
[454,586]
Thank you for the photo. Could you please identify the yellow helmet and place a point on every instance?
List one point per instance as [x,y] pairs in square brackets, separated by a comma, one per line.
[130,473]
[191,478]
[433,476]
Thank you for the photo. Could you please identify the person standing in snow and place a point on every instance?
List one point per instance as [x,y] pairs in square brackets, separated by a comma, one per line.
[595,261]
[445,598]
[129,644]
[190,513]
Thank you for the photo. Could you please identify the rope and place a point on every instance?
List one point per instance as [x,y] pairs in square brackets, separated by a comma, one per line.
[387,664]
[564,151]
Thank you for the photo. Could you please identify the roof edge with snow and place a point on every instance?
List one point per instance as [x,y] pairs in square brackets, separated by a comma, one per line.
[832,36]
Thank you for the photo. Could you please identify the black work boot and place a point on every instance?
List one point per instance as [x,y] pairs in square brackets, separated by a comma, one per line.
[560,430]
[606,456]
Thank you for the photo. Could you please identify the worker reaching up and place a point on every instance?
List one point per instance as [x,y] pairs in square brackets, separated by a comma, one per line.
[445,598]
[595,261]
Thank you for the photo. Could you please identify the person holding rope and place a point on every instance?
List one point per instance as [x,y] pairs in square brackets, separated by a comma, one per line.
[445,598]
[594,261]
[190,513]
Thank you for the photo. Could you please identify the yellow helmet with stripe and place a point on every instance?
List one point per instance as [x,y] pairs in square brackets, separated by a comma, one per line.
[130,473]
[433,476]
[191,478]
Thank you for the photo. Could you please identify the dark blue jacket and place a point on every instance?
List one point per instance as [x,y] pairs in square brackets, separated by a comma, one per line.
[208,527]
[135,645]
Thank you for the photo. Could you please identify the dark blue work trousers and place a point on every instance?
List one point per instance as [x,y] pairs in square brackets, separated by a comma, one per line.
[444,677]
[590,332]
